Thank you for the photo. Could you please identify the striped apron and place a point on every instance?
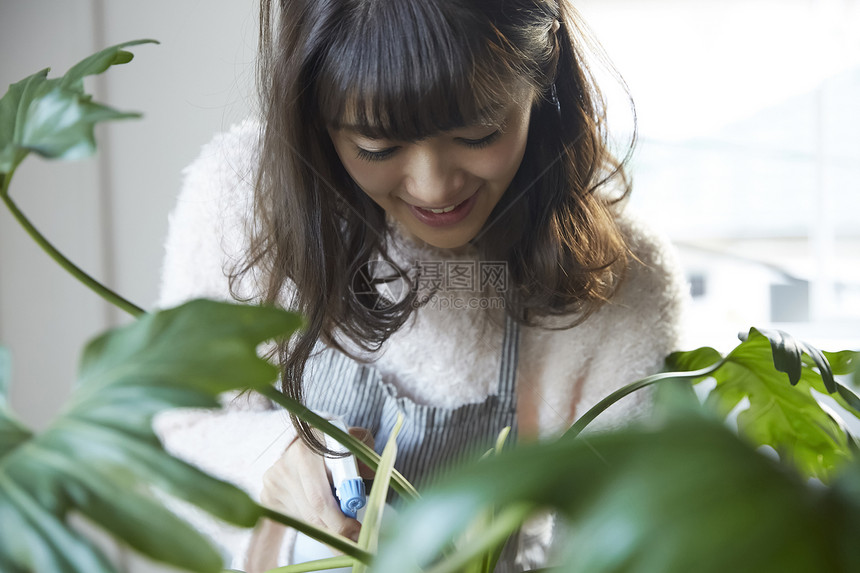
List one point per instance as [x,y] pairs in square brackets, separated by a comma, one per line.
[432,438]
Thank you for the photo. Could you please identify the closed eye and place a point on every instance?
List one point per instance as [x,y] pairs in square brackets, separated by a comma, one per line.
[375,155]
[384,154]
[483,142]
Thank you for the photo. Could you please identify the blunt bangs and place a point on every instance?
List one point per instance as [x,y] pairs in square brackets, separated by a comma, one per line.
[405,71]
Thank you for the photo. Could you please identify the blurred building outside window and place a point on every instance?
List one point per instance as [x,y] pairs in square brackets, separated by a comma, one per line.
[748,155]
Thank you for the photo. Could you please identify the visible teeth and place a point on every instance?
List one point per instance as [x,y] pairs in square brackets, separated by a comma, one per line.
[445,210]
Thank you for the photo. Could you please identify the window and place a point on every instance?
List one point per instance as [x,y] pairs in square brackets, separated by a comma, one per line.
[749,155]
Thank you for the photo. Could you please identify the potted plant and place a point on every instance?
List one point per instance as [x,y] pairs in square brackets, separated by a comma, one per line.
[679,493]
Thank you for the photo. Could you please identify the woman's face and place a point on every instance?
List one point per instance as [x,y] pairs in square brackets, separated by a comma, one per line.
[441,189]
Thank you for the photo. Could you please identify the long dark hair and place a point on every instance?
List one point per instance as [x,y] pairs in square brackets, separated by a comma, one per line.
[407,70]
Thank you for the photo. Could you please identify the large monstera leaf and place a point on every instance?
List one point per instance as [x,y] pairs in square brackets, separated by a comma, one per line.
[55,117]
[690,496]
[100,457]
[777,374]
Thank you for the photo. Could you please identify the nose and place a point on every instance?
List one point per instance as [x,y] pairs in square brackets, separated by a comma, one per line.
[434,178]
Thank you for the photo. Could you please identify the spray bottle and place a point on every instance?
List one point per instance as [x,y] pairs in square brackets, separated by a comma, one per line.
[349,491]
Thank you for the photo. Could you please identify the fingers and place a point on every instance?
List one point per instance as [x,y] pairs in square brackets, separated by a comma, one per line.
[362,434]
[317,497]
[298,485]
[365,436]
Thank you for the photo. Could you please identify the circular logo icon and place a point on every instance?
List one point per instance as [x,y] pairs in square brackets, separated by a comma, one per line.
[380,284]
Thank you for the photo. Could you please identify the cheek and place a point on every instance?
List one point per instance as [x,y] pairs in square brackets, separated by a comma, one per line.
[502,162]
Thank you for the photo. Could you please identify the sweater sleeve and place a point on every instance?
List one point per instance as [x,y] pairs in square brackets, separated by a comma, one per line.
[207,234]
[640,326]
[208,228]
[626,339]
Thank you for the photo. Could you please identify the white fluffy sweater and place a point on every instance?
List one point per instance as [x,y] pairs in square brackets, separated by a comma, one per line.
[441,357]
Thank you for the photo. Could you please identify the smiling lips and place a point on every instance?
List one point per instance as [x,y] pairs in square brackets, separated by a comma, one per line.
[447,215]
[438,211]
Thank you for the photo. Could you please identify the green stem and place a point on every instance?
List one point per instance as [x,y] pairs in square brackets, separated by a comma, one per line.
[61,259]
[601,406]
[361,451]
[336,542]
[318,565]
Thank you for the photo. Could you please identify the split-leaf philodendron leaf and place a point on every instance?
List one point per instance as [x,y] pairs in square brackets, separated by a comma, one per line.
[54,117]
[690,496]
[5,374]
[12,432]
[776,374]
[100,456]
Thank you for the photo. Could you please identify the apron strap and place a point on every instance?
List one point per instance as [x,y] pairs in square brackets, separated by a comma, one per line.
[510,356]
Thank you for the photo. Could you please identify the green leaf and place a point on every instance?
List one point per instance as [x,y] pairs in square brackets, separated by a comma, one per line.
[119,508]
[486,526]
[35,539]
[361,451]
[54,117]
[849,397]
[12,431]
[99,63]
[5,375]
[501,439]
[692,359]
[844,362]
[59,125]
[788,356]
[368,539]
[688,497]
[13,108]
[845,499]
[100,456]
[762,369]
[480,552]
[318,565]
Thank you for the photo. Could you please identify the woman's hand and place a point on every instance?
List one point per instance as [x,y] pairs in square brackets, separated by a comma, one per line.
[298,485]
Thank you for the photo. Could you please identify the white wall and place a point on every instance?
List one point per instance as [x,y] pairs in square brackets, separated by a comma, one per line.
[109,214]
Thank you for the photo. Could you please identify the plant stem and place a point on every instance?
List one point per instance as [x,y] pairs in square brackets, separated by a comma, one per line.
[361,451]
[601,406]
[62,260]
[337,542]
[318,565]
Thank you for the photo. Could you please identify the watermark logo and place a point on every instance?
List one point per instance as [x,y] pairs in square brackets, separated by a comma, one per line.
[462,275]
[443,285]
[381,282]
[439,284]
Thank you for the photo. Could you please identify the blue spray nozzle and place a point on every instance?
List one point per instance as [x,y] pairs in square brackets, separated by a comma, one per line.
[352,497]
[345,478]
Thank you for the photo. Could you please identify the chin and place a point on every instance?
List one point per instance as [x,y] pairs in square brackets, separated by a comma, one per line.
[447,244]
[449,241]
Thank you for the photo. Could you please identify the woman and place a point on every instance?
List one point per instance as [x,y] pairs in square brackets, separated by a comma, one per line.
[430,185]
